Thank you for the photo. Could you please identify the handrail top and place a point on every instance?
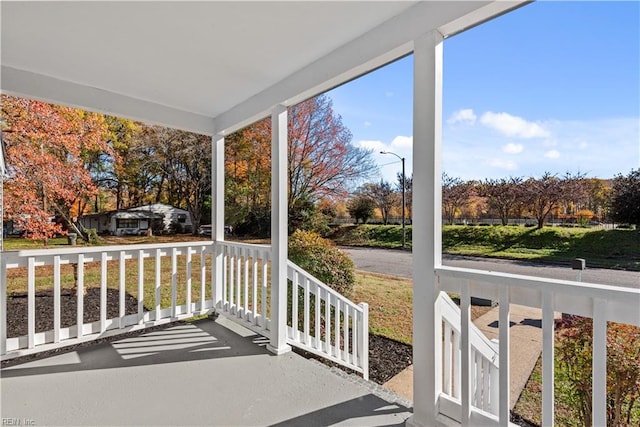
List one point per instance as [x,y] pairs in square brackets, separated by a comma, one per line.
[24,253]
[242,244]
[520,280]
[319,283]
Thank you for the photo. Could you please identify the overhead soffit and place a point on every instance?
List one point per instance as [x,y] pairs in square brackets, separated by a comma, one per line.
[199,57]
[210,66]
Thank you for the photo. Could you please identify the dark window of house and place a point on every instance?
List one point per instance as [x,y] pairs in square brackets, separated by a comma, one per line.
[182,218]
[127,223]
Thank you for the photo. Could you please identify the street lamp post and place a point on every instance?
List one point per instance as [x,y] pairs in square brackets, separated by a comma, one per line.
[404,231]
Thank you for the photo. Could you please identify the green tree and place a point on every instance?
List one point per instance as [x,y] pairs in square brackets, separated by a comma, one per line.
[625,198]
[383,196]
[361,207]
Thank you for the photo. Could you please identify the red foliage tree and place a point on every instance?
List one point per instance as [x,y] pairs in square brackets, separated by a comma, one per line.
[48,148]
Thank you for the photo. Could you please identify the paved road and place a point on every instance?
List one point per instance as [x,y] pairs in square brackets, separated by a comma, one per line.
[400,263]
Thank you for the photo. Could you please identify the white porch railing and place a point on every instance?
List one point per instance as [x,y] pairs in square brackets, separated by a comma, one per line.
[323,322]
[162,280]
[246,284]
[91,267]
[601,302]
[483,357]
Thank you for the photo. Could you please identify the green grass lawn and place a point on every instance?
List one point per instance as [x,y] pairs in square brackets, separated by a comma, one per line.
[619,248]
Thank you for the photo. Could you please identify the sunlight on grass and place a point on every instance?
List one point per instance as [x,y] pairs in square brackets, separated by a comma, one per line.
[390,302]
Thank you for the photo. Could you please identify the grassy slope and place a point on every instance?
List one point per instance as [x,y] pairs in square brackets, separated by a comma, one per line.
[600,247]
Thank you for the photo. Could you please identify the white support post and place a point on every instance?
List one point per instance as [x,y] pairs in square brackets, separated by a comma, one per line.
[279,216]
[504,376]
[217,217]
[599,345]
[427,230]
[548,358]
[466,371]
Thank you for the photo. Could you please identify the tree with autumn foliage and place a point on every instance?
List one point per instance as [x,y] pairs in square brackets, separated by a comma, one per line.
[322,164]
[547,193]
[455,195]
[49,149]
[322,161]
[503,196]
[383,196]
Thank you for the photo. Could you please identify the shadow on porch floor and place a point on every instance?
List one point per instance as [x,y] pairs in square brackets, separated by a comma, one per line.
[202,373]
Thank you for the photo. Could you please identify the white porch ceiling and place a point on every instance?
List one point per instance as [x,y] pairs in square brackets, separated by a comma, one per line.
[193,64]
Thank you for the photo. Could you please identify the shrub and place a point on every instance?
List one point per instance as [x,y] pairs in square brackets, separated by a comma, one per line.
[92,235]
[323,260]
[574,380]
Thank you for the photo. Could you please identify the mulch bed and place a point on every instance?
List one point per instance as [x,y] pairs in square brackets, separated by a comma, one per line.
[17,309]
[387,358]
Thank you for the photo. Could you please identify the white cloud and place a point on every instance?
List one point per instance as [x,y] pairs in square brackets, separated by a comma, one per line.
[503,164]
[513,126]
[512,148]
[366,124]
[374,145]
[552,154]
[466,115]
[402,141]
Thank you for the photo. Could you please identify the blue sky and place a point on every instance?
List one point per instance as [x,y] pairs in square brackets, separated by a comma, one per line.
[552,86]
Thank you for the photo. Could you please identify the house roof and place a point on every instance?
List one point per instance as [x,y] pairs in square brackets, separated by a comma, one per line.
[209,67]
[159,207]
[136,215]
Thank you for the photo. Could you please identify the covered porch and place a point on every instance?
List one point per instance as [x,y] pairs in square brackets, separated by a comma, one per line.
[202,373]
[193,70]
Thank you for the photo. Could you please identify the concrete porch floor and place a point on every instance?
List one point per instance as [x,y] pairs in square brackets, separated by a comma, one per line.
[202,373]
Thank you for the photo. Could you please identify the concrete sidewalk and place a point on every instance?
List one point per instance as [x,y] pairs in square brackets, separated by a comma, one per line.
[525,348]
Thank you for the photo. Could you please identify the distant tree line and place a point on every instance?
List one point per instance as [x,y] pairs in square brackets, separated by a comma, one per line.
[567,198]
[64,163]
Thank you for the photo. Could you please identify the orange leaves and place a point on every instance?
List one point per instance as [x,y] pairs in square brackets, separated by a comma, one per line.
[47,148]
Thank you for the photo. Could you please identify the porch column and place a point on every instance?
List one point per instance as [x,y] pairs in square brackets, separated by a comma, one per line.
[279,220]
[427,226]
[217,214]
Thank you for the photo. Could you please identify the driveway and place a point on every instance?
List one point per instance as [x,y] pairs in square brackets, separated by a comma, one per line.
[400,263]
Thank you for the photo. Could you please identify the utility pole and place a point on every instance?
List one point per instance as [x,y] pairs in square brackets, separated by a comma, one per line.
[404,186]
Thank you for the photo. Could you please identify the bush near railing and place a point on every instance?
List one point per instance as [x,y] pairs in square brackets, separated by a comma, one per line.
[319,257]
[575,359]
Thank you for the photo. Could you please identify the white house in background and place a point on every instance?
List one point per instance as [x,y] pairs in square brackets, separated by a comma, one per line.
[170,215]
[159,217]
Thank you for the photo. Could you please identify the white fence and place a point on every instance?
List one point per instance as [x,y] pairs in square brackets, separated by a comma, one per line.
[323,322]
[601,302]
[246,284]
[150,269]
[160,281]
[483,357]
